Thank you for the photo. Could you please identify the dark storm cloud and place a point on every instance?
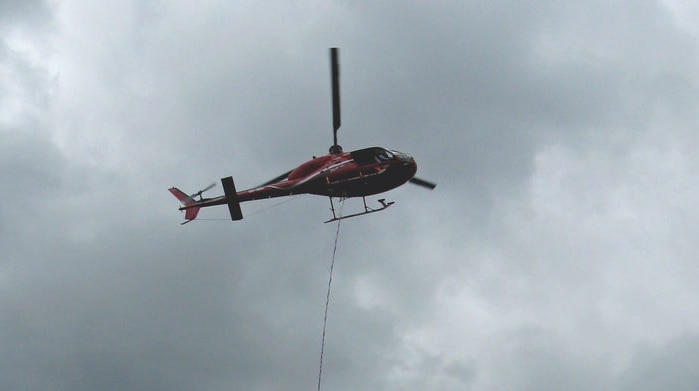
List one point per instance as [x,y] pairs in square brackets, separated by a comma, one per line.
[28,163]
[132,331]
[497,80]
[534,265]
[28,158]
[21,12]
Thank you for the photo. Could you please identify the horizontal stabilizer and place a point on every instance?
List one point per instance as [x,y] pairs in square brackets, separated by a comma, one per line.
[232,198]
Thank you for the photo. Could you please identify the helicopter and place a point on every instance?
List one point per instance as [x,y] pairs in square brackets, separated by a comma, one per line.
[339,174]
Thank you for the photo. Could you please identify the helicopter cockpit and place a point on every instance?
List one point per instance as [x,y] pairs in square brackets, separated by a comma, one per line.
[372,155]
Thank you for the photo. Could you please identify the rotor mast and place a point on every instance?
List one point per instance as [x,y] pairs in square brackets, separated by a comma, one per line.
[335,85]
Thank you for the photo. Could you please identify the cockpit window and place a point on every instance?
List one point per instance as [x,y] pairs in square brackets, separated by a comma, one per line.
[372,155]
[384,156]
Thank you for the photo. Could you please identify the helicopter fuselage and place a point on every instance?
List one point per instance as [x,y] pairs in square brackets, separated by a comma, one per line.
[349,174]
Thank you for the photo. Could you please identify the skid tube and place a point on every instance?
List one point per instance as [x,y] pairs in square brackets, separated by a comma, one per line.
[367,209]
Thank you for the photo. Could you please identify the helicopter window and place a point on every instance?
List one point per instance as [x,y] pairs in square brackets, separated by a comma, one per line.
[384,155]
[366,156]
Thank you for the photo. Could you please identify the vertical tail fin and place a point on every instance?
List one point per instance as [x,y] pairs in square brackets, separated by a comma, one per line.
[191,212]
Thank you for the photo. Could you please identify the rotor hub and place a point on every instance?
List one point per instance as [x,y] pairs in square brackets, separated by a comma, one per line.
[335,149]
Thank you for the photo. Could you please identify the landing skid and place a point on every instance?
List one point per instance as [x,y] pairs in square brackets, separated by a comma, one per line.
[367,209]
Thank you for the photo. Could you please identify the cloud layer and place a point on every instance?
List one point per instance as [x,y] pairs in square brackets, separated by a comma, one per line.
[557,251]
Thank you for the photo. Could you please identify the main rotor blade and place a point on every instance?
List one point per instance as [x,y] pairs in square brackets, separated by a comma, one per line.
[422,182]
[335,80]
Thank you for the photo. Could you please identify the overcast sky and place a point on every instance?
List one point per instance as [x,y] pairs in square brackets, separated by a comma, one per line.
[558,251]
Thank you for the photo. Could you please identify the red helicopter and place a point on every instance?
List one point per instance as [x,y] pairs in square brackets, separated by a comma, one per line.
[340,174]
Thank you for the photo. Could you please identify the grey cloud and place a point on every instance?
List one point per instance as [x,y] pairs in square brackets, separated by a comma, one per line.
[670,366]
[548,252]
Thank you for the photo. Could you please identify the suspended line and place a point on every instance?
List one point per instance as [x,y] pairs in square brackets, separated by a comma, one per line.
[292,198]
[327,297]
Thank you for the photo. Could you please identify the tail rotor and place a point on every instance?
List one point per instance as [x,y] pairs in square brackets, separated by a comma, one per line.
[189,203]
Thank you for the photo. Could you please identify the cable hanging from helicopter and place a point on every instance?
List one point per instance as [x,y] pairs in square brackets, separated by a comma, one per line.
[327,296]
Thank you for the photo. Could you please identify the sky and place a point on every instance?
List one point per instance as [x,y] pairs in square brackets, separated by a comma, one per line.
[557,252]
